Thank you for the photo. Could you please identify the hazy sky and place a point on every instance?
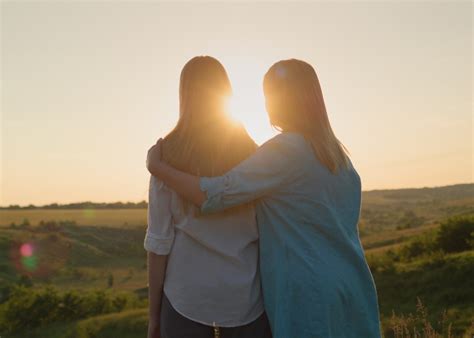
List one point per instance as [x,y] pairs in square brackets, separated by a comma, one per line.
[87,87]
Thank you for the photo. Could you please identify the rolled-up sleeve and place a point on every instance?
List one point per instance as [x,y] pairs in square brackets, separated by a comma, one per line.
[259,175]
[160,231]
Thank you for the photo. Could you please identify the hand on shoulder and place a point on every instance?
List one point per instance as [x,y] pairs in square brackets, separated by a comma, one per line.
[153,158]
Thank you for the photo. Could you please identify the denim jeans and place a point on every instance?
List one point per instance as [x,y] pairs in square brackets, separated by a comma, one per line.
[174,325]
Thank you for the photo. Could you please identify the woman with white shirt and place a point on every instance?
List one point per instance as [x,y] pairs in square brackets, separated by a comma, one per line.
[203,270]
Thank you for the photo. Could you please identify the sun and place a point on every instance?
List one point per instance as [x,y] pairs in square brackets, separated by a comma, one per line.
[247,105]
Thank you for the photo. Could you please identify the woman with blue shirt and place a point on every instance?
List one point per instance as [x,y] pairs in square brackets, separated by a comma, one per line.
[315,279]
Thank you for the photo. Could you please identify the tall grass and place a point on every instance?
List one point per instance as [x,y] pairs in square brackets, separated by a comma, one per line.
[418,325]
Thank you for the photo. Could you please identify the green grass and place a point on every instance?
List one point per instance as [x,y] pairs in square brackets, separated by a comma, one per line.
[100,217]
[129,324]
[110,242]
[76,256]
[442,283]
[126,324]
[384,240]
[384,210]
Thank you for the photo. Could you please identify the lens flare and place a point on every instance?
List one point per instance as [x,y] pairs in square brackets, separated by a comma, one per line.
[26,250]
[27,258]
[43,255]
[29,263]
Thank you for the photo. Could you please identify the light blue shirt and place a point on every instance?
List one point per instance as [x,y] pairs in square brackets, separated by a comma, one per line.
[315,279]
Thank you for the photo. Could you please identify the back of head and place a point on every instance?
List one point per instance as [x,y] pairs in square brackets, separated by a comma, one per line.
[295,103]
[205,141]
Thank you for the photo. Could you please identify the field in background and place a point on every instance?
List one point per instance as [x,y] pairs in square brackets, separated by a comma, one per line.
[102,249]
[96,217]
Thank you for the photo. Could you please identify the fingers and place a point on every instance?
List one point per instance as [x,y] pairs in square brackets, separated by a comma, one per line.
[151,149]
[154,153]
[156,145]
[149,154]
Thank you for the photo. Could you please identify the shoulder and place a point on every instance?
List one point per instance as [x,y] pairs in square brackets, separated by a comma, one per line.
[287,139]
[286,143]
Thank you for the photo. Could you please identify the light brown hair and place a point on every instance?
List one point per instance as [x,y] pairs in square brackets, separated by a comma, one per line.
[295,103]
[205,142]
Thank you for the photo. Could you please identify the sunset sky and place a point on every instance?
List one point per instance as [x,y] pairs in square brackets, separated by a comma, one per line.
[88,86]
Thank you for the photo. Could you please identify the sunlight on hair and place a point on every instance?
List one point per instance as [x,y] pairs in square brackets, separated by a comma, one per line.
[247,105]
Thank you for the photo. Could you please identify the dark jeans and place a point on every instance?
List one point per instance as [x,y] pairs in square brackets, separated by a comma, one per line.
[174,325]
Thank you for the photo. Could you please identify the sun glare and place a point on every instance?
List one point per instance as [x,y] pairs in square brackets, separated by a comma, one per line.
[247,105]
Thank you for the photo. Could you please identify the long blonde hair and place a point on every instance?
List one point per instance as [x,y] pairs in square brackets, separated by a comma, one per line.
[205,142]
[295,103]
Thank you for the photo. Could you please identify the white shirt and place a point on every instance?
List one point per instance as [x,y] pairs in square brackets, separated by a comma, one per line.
[212,275]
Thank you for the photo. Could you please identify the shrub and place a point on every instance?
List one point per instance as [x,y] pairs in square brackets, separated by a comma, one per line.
[110,280]
[455,235]
[382,263]
[409,219]
[422,245]
[25,281]
[25,223]
[26,309]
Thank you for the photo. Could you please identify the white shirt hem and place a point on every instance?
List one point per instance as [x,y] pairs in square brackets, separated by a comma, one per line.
[212,324]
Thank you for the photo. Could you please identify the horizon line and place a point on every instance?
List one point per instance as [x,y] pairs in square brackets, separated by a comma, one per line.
[141,201]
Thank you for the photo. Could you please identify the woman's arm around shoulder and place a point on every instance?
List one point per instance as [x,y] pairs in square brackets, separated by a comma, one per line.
[262,173]
[272,166]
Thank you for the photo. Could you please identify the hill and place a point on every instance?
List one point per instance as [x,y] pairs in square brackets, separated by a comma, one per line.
[410,208]
[91,250]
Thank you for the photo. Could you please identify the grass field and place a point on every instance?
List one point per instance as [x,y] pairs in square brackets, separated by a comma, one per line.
[76,256]
[102,249]
[126,324]
[96,217]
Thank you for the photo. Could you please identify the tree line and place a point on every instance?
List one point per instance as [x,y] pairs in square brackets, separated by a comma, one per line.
[81,205]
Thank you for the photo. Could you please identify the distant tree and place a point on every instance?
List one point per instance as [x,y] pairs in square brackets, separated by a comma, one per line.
[25,223]
[424,244]
[26,308]
[119,302]
[72,305]
[409,219]
[471,241]
[5,291]
[110,280]
[455,235]
[53,237]
[25,280]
